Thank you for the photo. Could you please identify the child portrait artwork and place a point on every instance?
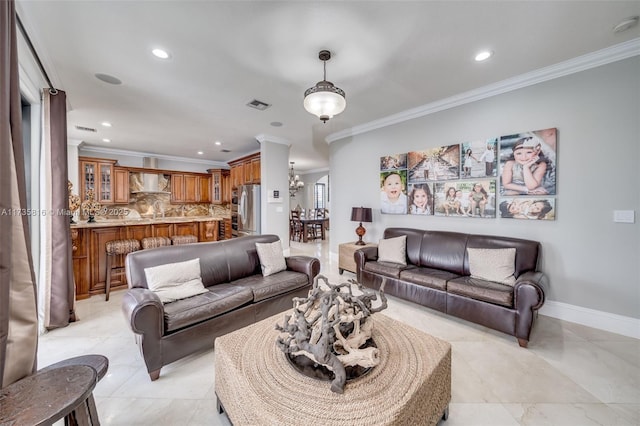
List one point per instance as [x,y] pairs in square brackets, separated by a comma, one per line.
[465,198]
[393,162]
[528,163]
[420,199]
[479,158]
[441,163]
[393,197]
[542,208]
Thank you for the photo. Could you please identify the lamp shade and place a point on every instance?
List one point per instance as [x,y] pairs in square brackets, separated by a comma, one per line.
[361,214]
[324,100]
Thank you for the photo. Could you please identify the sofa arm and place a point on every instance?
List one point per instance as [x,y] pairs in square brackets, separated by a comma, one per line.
[144,312]
[362,256]
[306,264]
[529,290]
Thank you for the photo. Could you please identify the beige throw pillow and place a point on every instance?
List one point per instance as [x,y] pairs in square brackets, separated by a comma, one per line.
[271,257]
[175,281]
[393,250]
[496,265]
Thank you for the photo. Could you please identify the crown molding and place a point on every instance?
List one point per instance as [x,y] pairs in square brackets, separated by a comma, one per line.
[263,137]
[149,154]
[595,59]
[75,142]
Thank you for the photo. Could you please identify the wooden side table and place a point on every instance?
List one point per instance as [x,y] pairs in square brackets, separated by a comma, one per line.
[50,395]
[345,259]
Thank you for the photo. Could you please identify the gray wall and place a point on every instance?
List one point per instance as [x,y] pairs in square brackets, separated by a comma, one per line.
[274,176]
[591,261]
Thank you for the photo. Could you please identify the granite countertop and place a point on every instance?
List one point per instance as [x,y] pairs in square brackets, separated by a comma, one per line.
[103,223]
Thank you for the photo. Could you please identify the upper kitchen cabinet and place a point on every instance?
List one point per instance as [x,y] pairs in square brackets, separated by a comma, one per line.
[220,186]
[121,187]
[97,174]
[190,188]
[245,170]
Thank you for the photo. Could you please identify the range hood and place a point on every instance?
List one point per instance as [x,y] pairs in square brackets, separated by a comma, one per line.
[149,182]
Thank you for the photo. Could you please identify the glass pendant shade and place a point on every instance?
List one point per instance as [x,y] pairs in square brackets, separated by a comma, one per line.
[324,100]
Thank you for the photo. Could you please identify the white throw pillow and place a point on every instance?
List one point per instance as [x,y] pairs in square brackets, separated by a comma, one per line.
[271,257]
[493,264]
[175,281]
[393,250]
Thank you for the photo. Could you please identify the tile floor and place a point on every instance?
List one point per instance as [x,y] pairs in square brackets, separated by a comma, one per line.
[571,375]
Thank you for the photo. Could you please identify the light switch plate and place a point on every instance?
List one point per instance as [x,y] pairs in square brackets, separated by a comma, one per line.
[624,216]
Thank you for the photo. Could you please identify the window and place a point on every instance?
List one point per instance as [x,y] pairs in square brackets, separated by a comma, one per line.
[319,196]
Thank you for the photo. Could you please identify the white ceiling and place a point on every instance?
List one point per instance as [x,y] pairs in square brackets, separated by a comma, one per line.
[388,56]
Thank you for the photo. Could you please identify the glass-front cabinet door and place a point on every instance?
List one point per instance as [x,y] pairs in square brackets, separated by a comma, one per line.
[97,174]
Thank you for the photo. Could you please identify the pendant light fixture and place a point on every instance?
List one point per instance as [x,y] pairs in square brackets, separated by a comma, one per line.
[324,100]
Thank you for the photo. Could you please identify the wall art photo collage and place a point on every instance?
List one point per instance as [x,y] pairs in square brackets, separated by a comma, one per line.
[511,176]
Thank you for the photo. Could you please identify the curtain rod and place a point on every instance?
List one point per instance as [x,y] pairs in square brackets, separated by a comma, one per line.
[52,89]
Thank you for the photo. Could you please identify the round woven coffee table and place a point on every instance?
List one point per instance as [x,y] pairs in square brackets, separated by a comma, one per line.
[255,383]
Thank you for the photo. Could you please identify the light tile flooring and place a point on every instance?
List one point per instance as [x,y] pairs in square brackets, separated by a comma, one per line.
[570,375]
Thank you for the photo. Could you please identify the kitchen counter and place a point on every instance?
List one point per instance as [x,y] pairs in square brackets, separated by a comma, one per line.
[89,241]
[145,221]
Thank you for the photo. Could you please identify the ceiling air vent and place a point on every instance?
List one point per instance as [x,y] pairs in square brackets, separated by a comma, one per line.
[225,150]
[86,129]
[259,105]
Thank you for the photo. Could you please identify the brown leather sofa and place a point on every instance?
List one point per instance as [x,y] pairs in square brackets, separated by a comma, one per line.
[238,296]
[437,276]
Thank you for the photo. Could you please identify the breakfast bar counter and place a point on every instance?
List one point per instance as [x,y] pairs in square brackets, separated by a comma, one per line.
[89,242]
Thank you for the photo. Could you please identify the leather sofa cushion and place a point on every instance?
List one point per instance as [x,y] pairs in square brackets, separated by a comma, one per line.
[217,300]
[273,285]
[427,277]
[487,291]
[388,269]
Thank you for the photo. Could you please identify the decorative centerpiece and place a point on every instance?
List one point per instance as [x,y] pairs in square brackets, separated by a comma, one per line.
[329,332]
[74,202]
[90,206]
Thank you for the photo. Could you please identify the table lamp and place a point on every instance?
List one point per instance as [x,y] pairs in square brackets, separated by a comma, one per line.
[360,214]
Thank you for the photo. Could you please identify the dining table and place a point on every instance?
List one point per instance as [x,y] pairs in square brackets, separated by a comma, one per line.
[311,221]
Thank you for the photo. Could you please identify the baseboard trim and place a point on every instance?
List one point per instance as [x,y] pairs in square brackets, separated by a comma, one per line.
[614,323]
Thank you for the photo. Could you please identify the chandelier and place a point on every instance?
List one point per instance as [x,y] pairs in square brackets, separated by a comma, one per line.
[295,184]
[324,99]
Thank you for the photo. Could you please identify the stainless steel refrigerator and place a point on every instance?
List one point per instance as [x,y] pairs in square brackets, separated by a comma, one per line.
[248,197]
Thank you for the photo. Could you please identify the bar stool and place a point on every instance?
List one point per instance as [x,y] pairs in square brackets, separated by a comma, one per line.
[183,239]
[153,242]
[116,247]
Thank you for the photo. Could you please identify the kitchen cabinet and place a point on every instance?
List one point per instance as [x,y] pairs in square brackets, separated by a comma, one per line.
[188,228]
[204,189]
[163,230]
[80,260]
[138,232]
[245,170]
[220,186]
[208,231]
[177,188]
[97,174]
[190,188]
[121,185]
[98,261]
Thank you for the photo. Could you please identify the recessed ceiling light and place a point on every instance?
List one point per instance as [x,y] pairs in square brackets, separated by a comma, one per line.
[106,140]
[200,152]
[160,53]
[484,55]
[106,124]
[625,24]
[217,143]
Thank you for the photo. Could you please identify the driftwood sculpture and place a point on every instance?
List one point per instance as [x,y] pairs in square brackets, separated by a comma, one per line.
[331,326]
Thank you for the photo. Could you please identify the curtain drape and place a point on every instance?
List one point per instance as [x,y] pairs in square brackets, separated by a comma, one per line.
[56,294]
[18,315]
